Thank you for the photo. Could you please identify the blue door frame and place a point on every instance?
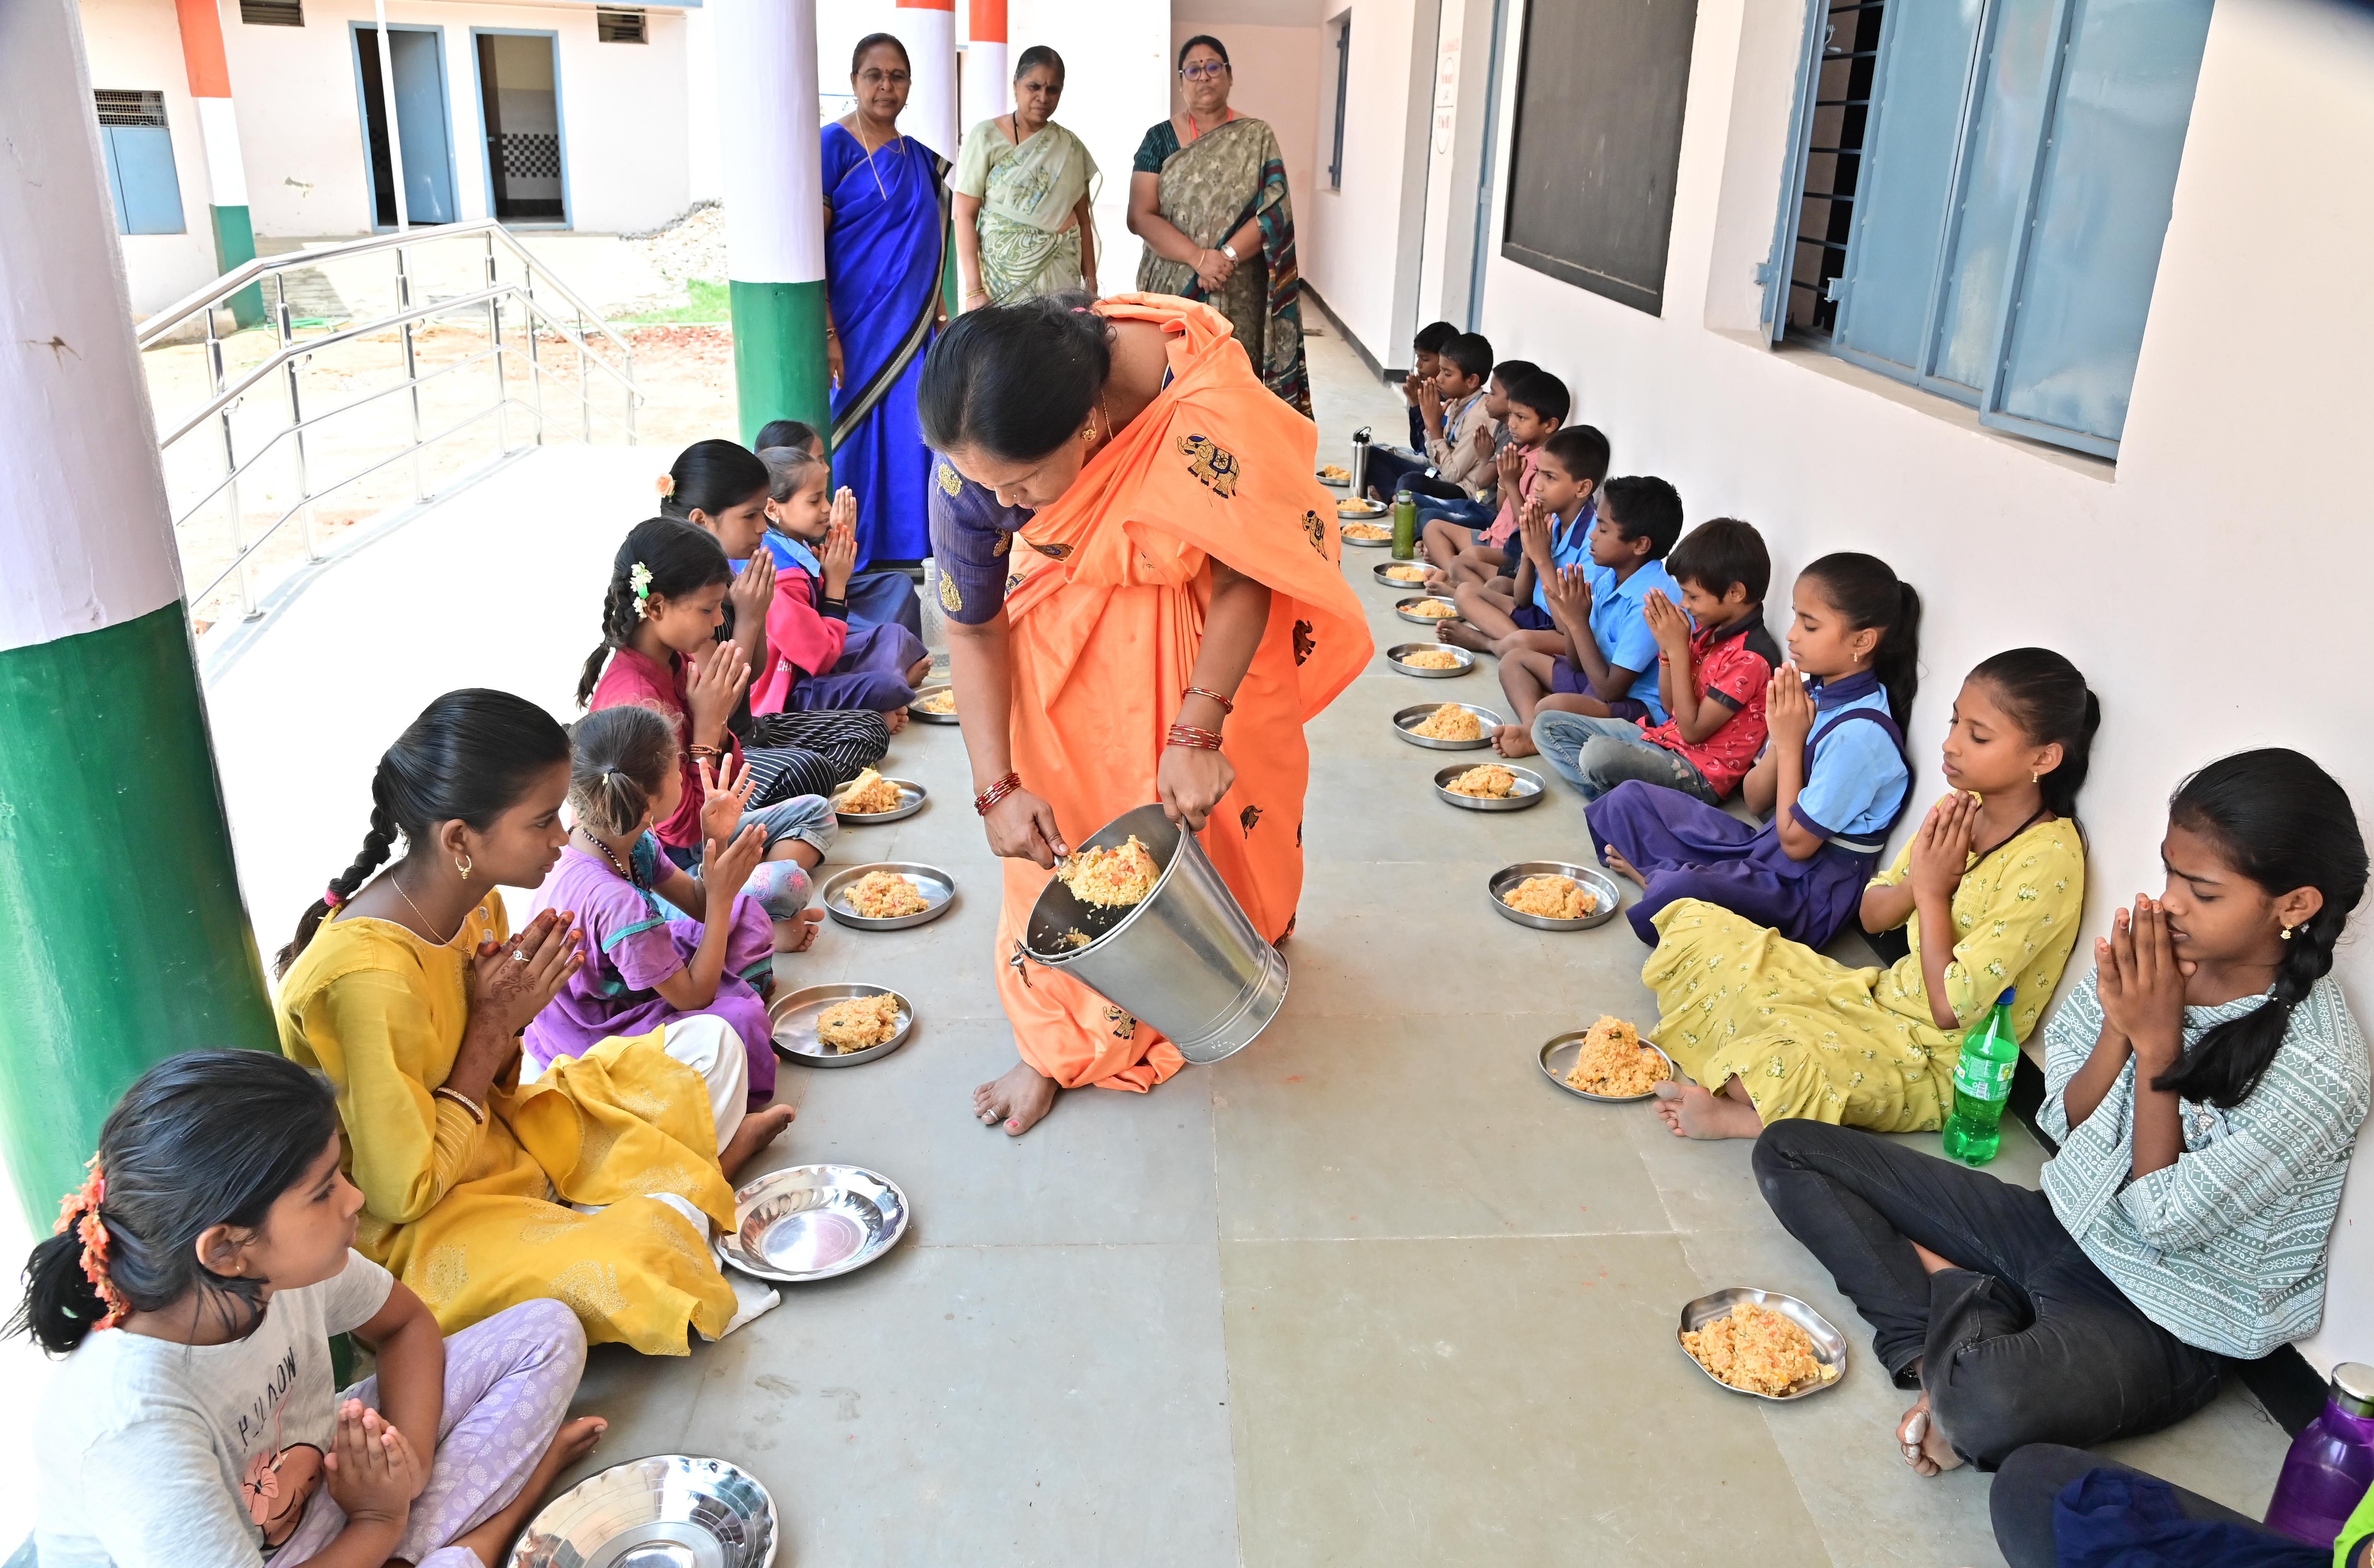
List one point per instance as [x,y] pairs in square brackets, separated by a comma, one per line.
[560,113]
[431,176]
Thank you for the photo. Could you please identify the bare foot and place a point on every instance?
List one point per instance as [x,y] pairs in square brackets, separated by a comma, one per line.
[1691,1112]
[1924,1446]
[1458,634]
[1513,740]
[759,1128]
[492,1540]
[798,933]
[1623,867]
[896,719]
[1018,1099]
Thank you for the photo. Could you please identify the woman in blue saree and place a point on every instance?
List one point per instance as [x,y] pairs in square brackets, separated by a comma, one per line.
[884,224]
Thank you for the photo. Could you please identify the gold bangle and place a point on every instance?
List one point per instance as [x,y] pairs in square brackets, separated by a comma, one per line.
[478,1112]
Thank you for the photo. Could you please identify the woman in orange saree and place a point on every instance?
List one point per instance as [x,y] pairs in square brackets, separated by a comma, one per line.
[1135,560]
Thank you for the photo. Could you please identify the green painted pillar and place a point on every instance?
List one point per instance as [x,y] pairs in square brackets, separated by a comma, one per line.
[774,212]
[122,928]
[234,247]
[780,369]
[123,937]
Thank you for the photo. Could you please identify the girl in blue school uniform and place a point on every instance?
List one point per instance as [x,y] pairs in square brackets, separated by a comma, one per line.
[1833,772]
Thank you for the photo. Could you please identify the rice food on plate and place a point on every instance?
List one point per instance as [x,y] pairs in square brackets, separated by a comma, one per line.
[1431,659]
[859,1023]
[940,702]
[1450,722]
[1553,898]
[1489,782]
[1406,573]
[1614,1063]
[884,896]
[1367,531]
[1336,473]
[1757,1349]
[1435,610]
[1112,879]
[868,794]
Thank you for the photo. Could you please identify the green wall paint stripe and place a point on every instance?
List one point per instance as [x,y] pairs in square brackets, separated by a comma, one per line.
[235,246]
[779,360]
[123,934]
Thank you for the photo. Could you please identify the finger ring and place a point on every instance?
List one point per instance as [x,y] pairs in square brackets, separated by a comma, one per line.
[519,956]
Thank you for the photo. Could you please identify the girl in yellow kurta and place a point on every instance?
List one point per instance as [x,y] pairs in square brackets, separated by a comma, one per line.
[1770,1029]
[468,1176]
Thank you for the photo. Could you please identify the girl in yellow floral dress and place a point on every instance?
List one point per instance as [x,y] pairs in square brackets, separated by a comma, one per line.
[1769,1029]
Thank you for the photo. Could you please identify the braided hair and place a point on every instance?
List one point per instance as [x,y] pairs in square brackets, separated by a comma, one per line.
[678,559]
[1866,591]
[619,760]
[2047,697]
[202,1139]
[469,756]
[712,476]
[2285,823]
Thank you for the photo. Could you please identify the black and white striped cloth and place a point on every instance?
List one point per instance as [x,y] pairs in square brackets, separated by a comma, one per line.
[811,753]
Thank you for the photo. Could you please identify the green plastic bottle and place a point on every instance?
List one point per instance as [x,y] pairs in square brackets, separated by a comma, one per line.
[1981,1087]
[1404,526]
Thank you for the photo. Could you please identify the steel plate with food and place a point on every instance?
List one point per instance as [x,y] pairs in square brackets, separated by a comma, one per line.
[934,704]
[1554,884]
[1400,574]
[1368,535]
[840,1025]
[1494,786]
[1762,1342]
[1430,660]
[888,896]
[1446,726]
[1425,610]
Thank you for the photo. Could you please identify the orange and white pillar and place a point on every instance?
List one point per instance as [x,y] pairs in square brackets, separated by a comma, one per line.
[988,67]
[209,73]
[928,28]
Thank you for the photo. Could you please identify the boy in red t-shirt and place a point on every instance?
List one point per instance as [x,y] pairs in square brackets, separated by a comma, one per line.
[1712,680]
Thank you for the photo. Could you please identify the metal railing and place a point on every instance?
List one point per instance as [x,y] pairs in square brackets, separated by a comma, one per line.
[598,350]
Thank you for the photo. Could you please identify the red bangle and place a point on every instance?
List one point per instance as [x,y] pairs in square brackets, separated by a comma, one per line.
[1189,736]
[996,792]
[1226,706]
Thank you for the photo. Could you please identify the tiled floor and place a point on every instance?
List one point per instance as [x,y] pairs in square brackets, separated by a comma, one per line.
[1371,1293]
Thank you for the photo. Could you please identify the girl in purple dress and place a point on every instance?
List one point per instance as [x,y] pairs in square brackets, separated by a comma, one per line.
[1833,773]
[645,964]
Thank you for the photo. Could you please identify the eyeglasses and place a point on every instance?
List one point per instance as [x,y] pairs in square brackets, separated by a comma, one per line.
[1203,70]
[873,75]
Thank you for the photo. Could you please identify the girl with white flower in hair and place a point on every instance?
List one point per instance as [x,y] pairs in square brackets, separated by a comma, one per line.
[1774,1030]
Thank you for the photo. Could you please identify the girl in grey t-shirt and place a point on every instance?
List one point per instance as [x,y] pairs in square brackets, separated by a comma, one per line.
[192,1289]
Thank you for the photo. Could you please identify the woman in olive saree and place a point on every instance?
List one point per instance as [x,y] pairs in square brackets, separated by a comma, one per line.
[1209,197]
[1021,196]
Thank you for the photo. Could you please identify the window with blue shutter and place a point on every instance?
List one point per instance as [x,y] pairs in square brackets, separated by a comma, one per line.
[2013,173]
[139,151]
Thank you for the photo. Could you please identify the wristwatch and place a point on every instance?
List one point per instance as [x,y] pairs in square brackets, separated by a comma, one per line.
[1230,251]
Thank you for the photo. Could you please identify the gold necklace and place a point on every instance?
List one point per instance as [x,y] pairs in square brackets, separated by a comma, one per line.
[396,883]
[878,186]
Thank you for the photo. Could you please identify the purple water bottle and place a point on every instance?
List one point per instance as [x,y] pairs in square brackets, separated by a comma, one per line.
[2331,1462]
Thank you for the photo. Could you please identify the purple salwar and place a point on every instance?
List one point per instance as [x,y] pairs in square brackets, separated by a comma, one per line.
[872,674]
[1688,849]
[507,1383]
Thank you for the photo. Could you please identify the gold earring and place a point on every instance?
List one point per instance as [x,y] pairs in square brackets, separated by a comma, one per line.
[462,864]
[2036,776]
[2287,933]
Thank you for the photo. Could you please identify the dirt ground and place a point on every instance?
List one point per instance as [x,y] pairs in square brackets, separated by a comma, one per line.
[353,442]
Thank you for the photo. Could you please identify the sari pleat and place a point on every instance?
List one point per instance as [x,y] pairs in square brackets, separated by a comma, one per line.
[882,254]
[1107,610]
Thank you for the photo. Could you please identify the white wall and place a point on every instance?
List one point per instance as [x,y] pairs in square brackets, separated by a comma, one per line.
[1360,244]
[2174,577]
[623,106]
[135,45]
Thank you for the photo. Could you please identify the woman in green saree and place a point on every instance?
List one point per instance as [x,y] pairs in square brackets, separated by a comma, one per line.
[1207,195]
[1020,196]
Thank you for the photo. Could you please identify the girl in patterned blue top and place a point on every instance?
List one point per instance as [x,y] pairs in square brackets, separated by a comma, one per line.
[2205,1084]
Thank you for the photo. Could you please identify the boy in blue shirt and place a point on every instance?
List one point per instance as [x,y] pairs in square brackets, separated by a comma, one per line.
[1596,598]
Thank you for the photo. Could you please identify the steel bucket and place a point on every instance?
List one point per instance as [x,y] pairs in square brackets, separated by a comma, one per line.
[1359,465]
[1185,960]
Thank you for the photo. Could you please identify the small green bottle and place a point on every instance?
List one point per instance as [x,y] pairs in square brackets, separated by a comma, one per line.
[1404,526]
[1981,1087]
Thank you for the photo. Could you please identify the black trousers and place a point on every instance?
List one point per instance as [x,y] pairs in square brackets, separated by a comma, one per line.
[812,752]
[2032,1480]
[2024,1342]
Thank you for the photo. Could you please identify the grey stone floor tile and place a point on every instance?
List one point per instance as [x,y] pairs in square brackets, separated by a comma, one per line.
[1493,1402]
[1418,1128]
[1106,1166]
